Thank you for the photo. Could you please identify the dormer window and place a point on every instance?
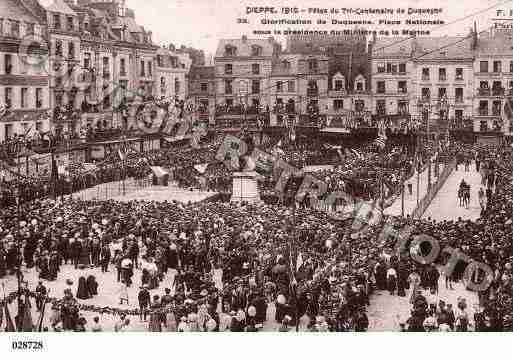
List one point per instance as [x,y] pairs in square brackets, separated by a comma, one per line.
[359,83]
[256,50]
[339,82]
[230,50]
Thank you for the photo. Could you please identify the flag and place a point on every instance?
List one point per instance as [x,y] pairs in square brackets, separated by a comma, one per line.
[27,324]
[381,141]
[9,325]
[121,154]
[508,109]
[299,261]
[357,154]
[201,168]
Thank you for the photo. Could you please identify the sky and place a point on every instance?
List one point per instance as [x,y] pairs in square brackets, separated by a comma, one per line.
[200,23]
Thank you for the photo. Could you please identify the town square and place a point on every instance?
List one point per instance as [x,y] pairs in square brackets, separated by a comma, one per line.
[301,183]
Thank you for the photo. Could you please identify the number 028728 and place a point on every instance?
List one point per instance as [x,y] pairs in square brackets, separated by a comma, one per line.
[27,345]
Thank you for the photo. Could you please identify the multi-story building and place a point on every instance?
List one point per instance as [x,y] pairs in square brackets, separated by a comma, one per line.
[340,66]
[427,80]
[119,58]
[64,43]
[392,75]
[171,75]
[493,73]
[442,81]
[202,92]
[243,69]
[284,89]
[24,89]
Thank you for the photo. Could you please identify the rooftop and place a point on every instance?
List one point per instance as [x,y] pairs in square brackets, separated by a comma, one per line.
[244,46]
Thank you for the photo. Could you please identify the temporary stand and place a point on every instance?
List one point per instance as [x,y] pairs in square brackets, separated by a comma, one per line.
[245,187]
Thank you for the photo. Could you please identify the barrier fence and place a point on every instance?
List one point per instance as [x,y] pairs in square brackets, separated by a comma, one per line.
[110,190]
[433,190]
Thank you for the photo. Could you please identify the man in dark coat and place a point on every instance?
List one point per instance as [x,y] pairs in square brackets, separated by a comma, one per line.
[105,258]
[144,302]
[76,249]
[40,296]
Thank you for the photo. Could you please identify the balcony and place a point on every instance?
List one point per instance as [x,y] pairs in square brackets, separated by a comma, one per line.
[8,69]
[483,92]
[498,91]
[458,99]
[442,78]
[312,92]
[122,73]
[496,111]
[425,78]
[483,112]
[458,78]
[106,75]
[402,91]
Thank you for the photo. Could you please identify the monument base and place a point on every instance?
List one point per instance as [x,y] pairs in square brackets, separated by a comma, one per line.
[245,187]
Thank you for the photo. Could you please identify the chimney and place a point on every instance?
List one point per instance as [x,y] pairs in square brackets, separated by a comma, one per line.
[474,38]
[414,45]
[244,38]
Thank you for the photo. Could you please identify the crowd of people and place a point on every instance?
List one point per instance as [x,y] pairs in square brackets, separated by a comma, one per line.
[218,273]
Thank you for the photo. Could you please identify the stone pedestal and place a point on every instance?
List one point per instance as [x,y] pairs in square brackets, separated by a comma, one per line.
[245,187]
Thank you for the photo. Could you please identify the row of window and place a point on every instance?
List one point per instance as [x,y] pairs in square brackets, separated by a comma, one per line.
[24,99]
[496,90]
[442,93]
[401,87]
[228,87]
[442,74]
[313,66]
[496,66]
[122,66]
[483,109]
[59,25]
[392,68]
[163,86]
[231,50]
[59,45]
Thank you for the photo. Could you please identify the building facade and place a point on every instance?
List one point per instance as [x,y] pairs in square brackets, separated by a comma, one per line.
[202,92]
[392,80]
[172,70]
[493,87]
[24,78]
[442,81]
[243,69]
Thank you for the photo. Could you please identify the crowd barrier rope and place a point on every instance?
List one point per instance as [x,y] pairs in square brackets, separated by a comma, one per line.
[433,190]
